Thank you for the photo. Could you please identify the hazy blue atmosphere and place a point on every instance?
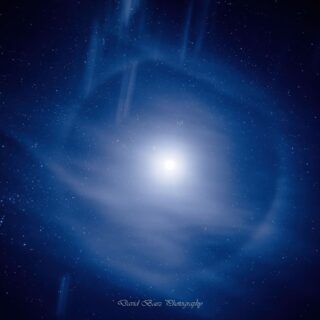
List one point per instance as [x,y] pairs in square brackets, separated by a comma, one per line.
[159,160]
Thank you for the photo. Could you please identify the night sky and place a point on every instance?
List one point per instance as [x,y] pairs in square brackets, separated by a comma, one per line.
[159,160]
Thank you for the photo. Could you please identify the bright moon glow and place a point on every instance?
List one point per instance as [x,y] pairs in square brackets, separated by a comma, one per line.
[168,167]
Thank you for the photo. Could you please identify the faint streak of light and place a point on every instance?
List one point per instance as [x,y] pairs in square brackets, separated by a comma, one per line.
[202,26]
[91,61]
[126,92]
[2,220]
[185,39]
[62,296]
[128,8]
[109,13]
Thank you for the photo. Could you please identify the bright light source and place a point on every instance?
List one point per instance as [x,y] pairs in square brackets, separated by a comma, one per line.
[169,164]
[168,167]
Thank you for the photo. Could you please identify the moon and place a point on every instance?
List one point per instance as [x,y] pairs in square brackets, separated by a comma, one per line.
[168,167]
